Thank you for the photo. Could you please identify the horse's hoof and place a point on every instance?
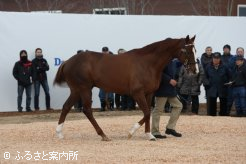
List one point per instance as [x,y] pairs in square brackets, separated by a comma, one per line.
[129,136]
[153,139]
[106,139]
[150,136]
[60,136]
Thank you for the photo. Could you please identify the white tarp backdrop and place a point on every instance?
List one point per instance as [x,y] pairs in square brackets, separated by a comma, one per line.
[61,35]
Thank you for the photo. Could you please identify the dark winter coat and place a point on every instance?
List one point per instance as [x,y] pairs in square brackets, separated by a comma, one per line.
[40,66]
[239,76]
[22,72]
[166,89]
[226,59]
[205,60]
[189,83]
[215,79]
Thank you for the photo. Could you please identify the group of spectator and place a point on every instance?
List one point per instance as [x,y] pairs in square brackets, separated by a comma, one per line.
[28,72]
[225,78]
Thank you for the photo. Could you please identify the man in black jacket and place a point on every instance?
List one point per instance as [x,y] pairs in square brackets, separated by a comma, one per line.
[22,72]
[216,76]
[40,66]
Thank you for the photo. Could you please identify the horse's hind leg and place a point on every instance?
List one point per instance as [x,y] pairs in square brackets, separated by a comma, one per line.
[72,99]
[86,99]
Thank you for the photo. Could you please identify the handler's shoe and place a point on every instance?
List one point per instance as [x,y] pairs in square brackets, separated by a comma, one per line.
[160,136]
[173,132]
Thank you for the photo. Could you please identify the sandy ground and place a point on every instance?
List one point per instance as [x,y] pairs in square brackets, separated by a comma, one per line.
[205,140]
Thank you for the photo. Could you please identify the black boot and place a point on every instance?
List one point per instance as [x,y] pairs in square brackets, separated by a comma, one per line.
[20,109]
[111,105]
[173,132]
[28,109]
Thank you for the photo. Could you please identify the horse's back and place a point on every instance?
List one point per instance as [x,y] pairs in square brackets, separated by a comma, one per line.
[116,73]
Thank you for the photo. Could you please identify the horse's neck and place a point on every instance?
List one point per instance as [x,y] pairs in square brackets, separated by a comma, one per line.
[162,56]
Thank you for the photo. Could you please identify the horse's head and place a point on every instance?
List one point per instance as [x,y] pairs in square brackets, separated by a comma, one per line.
[187,54]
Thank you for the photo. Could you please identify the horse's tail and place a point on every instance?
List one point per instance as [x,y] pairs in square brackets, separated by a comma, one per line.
[59,79]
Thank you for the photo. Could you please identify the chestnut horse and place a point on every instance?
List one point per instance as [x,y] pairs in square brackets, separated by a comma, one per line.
[136,73]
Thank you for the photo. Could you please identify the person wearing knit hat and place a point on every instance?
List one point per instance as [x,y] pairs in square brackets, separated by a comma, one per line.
[227,46]
[22,72]
[226,58]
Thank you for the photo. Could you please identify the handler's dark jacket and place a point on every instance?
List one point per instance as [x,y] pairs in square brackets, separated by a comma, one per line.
[22,72]
[165,88]
[215,78]
[40,66]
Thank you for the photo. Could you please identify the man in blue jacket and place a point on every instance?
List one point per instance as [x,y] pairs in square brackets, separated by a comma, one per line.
[166,92]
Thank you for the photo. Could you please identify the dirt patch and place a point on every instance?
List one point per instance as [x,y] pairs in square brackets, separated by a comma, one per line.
[205,140]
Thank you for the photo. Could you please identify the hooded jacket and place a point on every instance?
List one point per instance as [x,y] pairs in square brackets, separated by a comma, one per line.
[22,72]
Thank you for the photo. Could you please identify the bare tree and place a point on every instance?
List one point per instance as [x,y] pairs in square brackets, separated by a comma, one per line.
[132,6]
[20,4]
[229,7]
[212,7]
[153,6]
[1,5]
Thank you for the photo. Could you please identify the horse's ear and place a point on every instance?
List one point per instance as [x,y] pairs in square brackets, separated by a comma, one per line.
[187,39]
[193,38]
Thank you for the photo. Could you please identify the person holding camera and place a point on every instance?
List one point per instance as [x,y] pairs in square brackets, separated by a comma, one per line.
[40,66]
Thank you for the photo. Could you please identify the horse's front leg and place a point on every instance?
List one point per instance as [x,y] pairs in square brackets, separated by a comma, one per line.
[66,108]
[142,102]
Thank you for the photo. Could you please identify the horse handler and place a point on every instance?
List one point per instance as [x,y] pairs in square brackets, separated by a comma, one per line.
[166,92]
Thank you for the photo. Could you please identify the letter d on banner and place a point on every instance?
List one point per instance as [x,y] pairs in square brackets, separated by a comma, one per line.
[57,61]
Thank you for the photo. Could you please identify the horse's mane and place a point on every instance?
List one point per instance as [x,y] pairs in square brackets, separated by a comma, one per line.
[150,48]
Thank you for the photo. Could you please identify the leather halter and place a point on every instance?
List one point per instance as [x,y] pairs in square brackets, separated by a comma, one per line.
[184,50]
